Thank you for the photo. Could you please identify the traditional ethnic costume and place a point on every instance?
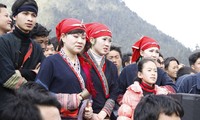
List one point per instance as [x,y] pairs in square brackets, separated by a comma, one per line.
[62,77]
[19,56]
[104,73]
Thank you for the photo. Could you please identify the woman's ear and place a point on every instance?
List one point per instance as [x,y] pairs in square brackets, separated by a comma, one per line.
[62,35]
[141,53]
[92,41]
[140,75]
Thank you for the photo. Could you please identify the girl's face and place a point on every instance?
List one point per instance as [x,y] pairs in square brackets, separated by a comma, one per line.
[152,52]
[149,73]
[74,43]
[172,69]
[101,45]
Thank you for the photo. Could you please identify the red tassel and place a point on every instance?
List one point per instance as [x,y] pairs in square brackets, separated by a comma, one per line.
[89,84]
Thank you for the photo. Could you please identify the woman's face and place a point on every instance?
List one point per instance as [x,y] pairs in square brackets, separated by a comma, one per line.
[152,52]
[172,69]
[101,45]
[149,73]
[74,43]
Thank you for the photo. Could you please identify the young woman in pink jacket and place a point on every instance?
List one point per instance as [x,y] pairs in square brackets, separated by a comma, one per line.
[144,85]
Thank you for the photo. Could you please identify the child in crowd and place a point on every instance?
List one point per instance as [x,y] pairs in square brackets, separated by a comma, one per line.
[143,85]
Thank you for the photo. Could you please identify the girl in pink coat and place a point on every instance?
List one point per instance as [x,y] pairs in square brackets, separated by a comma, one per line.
[145,84]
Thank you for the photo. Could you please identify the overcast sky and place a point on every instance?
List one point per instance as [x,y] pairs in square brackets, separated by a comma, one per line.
[177,18]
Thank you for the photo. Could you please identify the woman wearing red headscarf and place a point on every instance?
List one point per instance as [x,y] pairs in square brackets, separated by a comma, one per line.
[146,47]
[104,73]
[66,74]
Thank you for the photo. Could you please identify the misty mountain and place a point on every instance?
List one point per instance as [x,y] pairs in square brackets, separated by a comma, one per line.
[127,27]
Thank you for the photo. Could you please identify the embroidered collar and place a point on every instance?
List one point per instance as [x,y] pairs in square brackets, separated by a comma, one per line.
[75,68]
[100,72]
[97,58]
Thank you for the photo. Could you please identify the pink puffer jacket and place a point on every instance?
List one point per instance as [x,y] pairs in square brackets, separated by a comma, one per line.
[131,98]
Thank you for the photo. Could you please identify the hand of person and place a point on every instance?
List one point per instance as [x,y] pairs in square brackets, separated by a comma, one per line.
[80,97]
[88,112]
[95,117]
[37,68]
[101,115]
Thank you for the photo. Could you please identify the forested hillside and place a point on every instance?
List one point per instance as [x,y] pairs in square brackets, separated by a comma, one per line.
[127,26]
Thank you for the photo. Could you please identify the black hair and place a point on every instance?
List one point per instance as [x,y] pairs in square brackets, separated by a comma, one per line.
[2,6]
[126,58]
[185,70]
[150,107]
[54,42]
[39,31]
[168,60]
[20,109]
[118,49]
[18,3]
[142,62]
[12,22]
[37,95]
[160,55]
[193,58]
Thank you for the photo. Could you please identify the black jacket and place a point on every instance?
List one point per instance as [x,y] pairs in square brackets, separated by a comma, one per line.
[12,45]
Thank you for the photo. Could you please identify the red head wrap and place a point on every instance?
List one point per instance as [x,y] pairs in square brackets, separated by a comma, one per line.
[68,25]
[95,30]
[142,44]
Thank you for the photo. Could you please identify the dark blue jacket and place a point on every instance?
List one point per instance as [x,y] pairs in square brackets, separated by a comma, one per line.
[190,84]
[111,76]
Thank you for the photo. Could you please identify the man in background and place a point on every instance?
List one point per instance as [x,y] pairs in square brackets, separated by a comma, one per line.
[40,34]
[115,56]
[194,60]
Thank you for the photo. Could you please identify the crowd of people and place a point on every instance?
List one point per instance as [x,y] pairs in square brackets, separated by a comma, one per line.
[80,75]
